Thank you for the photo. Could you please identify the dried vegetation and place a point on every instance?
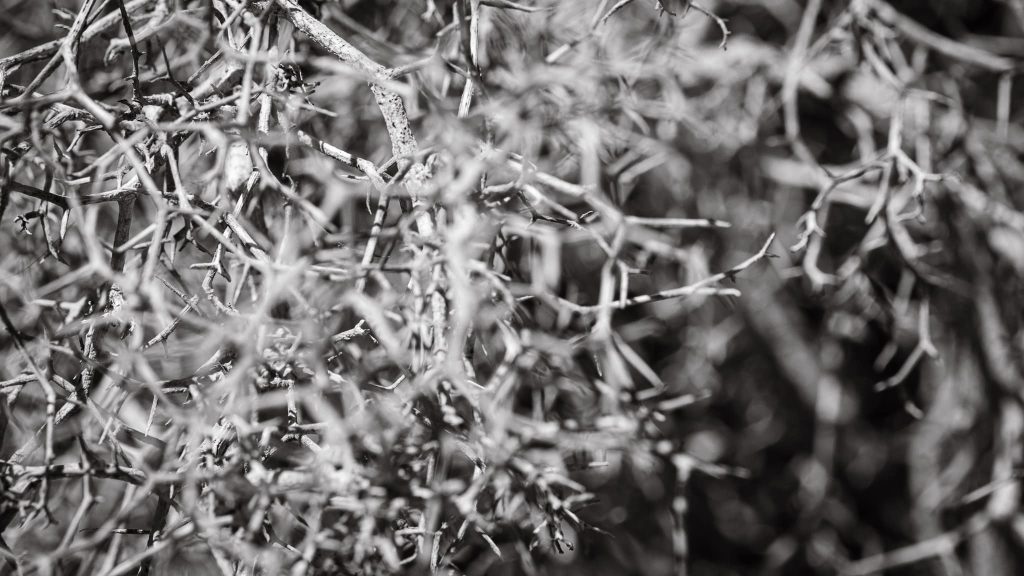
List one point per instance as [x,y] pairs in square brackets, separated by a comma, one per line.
[493,287]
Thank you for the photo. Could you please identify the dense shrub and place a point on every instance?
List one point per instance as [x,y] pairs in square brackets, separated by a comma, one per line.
[493,287]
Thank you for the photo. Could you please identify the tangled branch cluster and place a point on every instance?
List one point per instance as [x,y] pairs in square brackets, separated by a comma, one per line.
[316,287]
[371,392]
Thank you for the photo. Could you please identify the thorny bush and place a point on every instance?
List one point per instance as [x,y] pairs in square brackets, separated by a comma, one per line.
[460,286]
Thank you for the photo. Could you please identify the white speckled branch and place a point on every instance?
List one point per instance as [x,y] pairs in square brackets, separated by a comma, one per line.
[403,142]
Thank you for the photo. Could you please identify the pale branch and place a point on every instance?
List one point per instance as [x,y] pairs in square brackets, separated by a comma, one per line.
[703,287]
[920,34]
[392,107]
[94,30]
